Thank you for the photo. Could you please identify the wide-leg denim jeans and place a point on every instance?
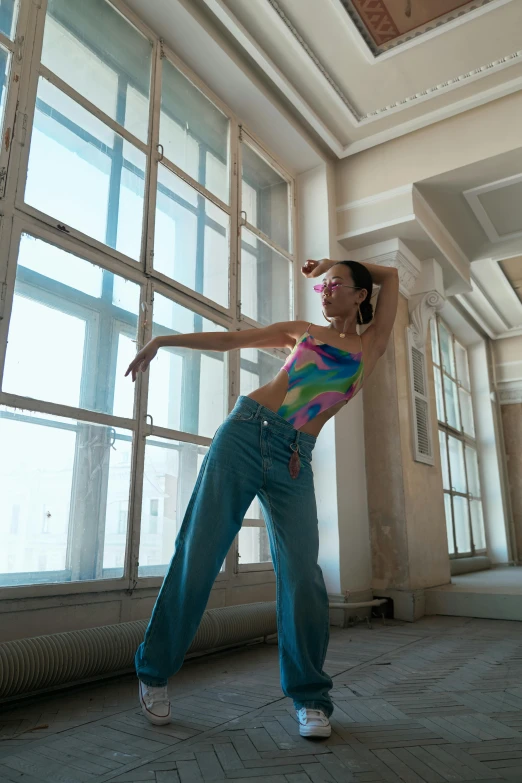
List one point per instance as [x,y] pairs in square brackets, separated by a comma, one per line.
[249,456]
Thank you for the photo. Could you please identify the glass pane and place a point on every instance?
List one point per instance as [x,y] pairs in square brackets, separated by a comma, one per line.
[462,534]
[434,341]
[190,128]
[103,57]
[466,407]
[449,523]
[452,402]
[473,472]
[446,345]
[254,512]
[171,471]
[438,394]
[5,64]
[62,482]
[84,341]
[265,281]
[83,174]
[461,356]
[444,460]
[265,198]
[254,545]
[192,238]
[256,369]
[8,15]
[180,378]
[477,524]
[456,457]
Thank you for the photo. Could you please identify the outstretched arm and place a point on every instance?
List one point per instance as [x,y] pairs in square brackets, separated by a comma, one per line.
[278,335]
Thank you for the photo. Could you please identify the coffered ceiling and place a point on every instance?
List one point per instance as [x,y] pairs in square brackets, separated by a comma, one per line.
[481,207]
[386,24]
[360,72]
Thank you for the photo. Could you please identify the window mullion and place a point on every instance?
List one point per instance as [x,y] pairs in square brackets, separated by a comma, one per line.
[235,228]
[21,103]
[151,186]
[138,451]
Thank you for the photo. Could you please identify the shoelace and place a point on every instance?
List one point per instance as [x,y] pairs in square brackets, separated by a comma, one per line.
[156,695]
[306,713]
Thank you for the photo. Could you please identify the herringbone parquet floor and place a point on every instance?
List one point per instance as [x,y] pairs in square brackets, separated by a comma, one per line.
[439,700]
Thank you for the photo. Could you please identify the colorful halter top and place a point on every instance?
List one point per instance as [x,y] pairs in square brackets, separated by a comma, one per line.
[319,376]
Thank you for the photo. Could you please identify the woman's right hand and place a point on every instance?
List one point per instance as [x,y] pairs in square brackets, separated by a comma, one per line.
[316,268]
[142,359]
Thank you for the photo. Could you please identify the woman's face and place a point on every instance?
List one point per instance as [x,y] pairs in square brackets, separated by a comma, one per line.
[340,296]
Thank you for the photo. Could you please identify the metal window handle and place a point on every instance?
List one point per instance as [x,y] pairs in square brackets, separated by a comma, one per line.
[243,220]
[160,149]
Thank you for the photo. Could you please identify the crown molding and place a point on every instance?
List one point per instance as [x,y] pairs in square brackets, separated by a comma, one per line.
[512,395]
[405,103]
[355,113]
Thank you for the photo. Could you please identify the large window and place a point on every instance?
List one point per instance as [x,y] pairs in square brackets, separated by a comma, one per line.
[123,218]
[458,448]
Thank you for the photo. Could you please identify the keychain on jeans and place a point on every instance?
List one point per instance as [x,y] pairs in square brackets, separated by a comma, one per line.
[295,463]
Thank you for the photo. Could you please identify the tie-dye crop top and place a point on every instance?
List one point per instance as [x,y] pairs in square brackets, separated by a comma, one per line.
[319,376]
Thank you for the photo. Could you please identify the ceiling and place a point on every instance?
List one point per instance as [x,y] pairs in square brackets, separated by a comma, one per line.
[481,207]
[335,62]
[385,24]
[512,268]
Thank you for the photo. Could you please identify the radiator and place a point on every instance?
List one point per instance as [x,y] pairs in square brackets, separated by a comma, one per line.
[42,663]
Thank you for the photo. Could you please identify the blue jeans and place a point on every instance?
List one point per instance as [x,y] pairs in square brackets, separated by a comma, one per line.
[249,456]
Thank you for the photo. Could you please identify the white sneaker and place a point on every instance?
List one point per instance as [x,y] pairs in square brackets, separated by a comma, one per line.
[155,704]
[313,723]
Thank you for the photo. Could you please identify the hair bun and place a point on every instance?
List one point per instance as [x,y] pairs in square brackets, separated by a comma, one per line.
[366,308]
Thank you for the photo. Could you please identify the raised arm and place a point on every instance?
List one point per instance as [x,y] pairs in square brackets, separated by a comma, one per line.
[376,336]
[378,333]
[278,335]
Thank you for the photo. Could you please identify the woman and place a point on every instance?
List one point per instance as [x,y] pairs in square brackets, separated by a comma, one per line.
[264,448]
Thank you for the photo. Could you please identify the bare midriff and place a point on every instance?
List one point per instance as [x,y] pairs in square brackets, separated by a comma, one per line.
[272,394]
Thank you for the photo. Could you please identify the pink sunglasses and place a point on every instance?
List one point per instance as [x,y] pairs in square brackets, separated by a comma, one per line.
[320,287]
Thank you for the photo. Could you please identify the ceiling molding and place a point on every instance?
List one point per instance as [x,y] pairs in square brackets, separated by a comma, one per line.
[444,87]
[350,112]
[512,395]
[472,197]
[411,100]
[427,30]
[356,114]
[245,39]
[496,287]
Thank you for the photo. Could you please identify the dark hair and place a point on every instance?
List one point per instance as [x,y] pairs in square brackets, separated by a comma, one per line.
[362,279]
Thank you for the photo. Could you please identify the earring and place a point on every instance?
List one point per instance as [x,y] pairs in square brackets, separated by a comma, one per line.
[360,316]
[324,316]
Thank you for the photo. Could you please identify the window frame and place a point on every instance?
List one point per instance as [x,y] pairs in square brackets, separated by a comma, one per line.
[460,435]
[19,218]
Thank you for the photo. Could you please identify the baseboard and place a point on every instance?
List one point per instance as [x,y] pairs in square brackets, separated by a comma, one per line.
[408,605]
[338,616]
[466,565]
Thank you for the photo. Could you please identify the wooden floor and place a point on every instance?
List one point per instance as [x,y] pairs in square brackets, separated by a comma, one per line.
[438,700]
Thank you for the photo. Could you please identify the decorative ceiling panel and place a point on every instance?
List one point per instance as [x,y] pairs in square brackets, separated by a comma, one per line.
[385,24]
